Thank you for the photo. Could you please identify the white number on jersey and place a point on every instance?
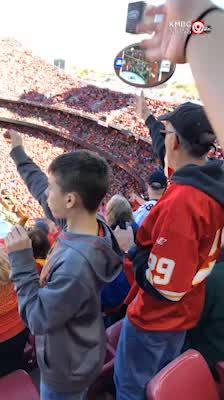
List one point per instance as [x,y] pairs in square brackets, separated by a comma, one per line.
[163,267]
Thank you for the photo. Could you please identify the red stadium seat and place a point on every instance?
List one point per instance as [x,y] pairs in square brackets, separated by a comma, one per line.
[113,333]
[186,378]
[18,386]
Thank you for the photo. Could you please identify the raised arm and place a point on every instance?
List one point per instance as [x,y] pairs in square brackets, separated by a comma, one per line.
[158,145]
[35,180]
[154,126]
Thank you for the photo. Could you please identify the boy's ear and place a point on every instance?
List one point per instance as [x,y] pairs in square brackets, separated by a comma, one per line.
[71,200]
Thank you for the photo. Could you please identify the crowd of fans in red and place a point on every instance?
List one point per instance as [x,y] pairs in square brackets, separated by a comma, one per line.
[122,148]
[43,147]
[26,77]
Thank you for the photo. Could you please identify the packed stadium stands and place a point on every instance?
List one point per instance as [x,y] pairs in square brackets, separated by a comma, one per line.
[56,113]
[30,78]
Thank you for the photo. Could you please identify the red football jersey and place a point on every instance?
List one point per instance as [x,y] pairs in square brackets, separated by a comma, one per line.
[183,233]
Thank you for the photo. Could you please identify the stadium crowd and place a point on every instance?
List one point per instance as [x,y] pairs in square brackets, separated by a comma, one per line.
[26,77]
[118,290]
[173,302]
[43,147]
[136,156]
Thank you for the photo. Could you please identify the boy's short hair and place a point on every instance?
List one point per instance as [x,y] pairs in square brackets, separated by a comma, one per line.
[40,243]
[83,172]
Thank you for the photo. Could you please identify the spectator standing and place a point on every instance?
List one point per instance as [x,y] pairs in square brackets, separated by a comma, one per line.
[178,244]
[62,309]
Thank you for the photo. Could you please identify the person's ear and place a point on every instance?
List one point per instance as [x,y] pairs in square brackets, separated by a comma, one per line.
[175,142]
[71,200]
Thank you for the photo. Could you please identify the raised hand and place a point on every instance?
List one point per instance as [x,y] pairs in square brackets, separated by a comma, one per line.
[17,240]
[13,137]
[141,107]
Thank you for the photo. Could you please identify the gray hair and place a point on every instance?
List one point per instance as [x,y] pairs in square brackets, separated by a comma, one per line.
[118,208]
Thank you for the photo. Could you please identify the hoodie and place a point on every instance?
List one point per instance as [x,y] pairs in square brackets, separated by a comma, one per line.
[64,312]
[177,246]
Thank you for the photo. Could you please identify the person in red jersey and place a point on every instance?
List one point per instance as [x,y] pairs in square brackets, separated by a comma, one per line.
[177,246]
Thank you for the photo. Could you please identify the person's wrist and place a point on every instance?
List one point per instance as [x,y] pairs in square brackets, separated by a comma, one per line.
[14,145]
[147,115]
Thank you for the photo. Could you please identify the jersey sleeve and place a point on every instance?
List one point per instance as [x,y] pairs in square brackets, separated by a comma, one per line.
[171,237]
[172,264]
[174,235]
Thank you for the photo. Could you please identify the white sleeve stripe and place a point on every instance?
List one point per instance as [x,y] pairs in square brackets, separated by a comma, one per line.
[215,243]
[174,296]
[203,273]
[169,293]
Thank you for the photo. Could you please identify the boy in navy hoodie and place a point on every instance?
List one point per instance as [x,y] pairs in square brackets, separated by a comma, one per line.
[63,308]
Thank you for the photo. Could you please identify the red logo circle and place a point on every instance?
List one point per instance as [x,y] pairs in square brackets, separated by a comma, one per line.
[198,27]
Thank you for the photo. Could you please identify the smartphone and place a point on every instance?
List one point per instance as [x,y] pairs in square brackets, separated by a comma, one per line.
[135,15]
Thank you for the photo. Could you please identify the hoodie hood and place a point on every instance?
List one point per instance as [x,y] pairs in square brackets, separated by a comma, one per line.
[208,178]
[102,252]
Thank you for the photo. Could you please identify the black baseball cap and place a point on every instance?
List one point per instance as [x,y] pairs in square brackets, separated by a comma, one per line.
[190,122]
[157,180]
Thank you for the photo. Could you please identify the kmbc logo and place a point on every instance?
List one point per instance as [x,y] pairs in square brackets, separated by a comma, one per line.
[199,27]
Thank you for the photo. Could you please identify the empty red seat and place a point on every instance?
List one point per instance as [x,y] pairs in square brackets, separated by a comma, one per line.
[18,386]
[186,378]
